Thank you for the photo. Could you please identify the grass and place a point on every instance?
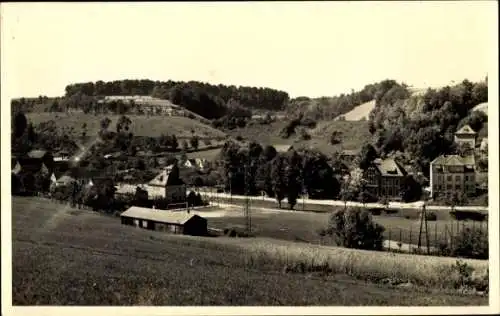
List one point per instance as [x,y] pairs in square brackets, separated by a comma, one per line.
[142,125]
[360,112]
[304,226]
[65,256]
[353,135]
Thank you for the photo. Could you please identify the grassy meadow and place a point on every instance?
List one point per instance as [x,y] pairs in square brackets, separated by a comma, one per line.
[353,135]
[142,125]
[64,256]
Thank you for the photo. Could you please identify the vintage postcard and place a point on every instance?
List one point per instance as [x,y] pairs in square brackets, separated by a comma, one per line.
[239,158]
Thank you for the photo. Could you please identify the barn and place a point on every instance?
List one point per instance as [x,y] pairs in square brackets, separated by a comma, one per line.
[176,222]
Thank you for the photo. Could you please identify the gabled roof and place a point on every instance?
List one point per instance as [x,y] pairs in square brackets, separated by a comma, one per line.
[172,217]
[389,167]
[454,160]
[465,130]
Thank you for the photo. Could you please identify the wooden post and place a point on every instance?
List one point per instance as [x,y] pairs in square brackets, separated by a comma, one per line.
[411,229]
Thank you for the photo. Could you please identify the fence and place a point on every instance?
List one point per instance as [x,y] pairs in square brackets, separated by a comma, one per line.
[439,234]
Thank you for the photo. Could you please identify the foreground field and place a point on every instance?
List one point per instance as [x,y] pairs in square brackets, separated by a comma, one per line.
[65,256]
[142,125]
[304,226]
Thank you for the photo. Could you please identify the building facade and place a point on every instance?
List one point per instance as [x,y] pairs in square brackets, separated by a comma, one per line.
[466,137]
[452,174]
[384,178]
[175,222]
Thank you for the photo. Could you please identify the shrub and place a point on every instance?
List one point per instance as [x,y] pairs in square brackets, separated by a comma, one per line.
[429,215]
[465,215]
[469,243]
[355,228]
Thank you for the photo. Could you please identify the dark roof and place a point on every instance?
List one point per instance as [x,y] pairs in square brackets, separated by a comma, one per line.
[162,216]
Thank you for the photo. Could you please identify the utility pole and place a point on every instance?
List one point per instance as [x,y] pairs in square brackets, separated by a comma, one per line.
[423,225]
[248,219]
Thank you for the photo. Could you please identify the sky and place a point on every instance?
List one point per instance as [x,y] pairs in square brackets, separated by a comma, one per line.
[305,48]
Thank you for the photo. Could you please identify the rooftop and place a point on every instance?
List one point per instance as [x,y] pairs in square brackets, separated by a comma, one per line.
[454,160]
[466,130]
[174,217]
[37,153]
[389,167]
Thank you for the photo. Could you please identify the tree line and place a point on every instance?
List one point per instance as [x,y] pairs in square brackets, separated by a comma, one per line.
[422,128]
[327,108]
[199,97]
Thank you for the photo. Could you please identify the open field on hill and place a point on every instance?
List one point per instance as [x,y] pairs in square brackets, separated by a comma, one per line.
[142,125]
[353,135]
[68,256]
[360,112]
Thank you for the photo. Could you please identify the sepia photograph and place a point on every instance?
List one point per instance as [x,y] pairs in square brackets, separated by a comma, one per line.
[306,154]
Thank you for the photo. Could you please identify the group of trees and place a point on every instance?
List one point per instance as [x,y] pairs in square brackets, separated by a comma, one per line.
[253,169]
[424,127]
[327,108]
[207,100]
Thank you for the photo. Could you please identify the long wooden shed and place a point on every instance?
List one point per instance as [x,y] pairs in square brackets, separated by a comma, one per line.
[177,222]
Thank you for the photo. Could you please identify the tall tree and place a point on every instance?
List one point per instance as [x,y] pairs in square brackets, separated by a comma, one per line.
[278,165]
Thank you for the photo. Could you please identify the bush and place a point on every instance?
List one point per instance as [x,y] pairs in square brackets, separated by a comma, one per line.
[236,231]
[470,243]
[429,215]
[355,228]
[465,215]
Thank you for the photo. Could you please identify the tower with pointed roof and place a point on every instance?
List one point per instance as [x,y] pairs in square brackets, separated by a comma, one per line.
[466,137]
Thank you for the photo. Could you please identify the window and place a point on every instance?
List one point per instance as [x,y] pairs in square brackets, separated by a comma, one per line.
[448,187]
[449,178]
[457,178]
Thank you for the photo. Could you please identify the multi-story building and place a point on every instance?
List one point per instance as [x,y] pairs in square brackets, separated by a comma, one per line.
[466,137]
[452,173]
[384,178]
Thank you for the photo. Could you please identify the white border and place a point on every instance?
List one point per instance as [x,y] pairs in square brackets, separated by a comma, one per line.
[7,72]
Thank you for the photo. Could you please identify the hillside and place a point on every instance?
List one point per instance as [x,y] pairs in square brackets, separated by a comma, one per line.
[353,134]
[361,112]
[142,125]
[483,107]
[65,256]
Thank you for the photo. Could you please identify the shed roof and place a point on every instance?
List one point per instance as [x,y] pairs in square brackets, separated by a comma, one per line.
[172,217]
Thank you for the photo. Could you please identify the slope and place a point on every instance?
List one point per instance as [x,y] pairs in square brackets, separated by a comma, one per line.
[65,256]
[142,125]
[360,112]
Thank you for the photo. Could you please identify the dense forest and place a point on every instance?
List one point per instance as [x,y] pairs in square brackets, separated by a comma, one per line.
[202,98]
[423,127]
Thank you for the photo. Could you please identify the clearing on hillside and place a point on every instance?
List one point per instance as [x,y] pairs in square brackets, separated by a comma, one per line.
[142,125]
[483,107]
[353,134]
[85,258]
[361,112]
